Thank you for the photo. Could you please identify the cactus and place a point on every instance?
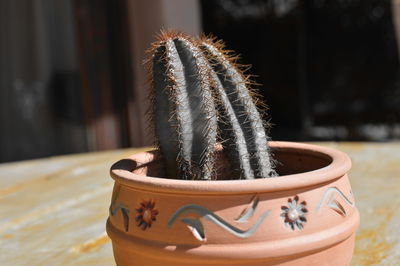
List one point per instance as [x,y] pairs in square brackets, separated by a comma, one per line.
[199,96]
[184,112]
[242,128]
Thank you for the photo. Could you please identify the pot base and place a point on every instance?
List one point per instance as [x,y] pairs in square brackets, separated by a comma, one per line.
[134,251]
[339,254]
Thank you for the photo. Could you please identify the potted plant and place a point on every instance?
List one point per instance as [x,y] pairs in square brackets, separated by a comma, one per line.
[288,203]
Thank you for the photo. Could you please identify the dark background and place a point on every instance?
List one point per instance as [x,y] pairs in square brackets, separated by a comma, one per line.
[329,70]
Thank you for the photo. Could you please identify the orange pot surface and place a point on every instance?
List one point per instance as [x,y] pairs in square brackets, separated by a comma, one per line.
[306,216]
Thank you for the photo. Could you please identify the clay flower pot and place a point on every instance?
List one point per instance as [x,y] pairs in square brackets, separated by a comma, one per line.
[306,216]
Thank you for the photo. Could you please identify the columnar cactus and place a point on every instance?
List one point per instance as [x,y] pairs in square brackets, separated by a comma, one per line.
[184,111]
[242,128]
[199,97]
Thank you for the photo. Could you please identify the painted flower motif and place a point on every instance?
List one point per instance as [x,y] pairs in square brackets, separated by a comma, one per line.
[146,214]
[295,213]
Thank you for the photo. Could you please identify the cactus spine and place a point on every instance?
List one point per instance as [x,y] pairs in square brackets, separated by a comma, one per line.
[194,82]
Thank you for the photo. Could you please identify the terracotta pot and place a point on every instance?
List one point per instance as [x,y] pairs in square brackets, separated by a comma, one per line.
[304,217]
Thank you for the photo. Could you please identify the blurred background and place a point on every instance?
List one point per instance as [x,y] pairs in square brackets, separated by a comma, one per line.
[72,80]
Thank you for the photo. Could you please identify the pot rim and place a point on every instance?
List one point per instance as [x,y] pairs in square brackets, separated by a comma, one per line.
[339,165]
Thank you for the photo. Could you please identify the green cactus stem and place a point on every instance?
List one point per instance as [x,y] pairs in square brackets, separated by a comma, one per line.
[242,129]
[184,112]
[198,92]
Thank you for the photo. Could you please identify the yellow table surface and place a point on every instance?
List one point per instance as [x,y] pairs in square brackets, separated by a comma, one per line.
[53,210]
